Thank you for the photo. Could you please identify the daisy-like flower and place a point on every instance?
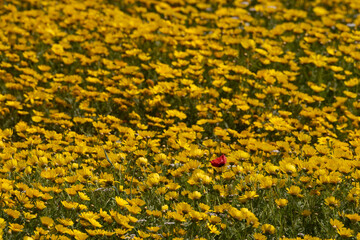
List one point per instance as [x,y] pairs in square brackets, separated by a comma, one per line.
[14,227]
[213,229]
[332,202]
[268,229]
[345,232]
[295,191]
[281,202]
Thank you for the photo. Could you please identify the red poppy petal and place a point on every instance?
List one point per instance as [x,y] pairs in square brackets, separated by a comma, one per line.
[219,162]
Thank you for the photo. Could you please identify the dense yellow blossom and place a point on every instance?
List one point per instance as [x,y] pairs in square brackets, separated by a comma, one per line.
[113,112]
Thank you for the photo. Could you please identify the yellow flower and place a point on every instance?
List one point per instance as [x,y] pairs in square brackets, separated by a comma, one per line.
[213,229]
[268,229]
[2,223]
[183,208]
[228,175]
[195,195]
[287,168]
[28,238]
[133,209]
[164,208]
[304,138]
[350,94]
[281,202]
[120,231]
[47,221]
[204,207]
[66,221]
[14,227]
[237,214]
[267,182]
[345,232]
[165,70]
[199,176]
[91,218]
[10,165]
[295,191]
[192,165]
[79,235]
[58,49]
[197,216]
[136,202]
[259,236]
[352,82]
[29,216]
[94,223]
[13,213]
[70,205]
[172,195]
[142,161]
[271,169]
[153,179]
[306,213]
[83,196]
[121,202]
[153,229]
[249,195]
[175,113]
[308,150]
[332,202]
[214,219]
[317,88]
[320,11]
[176,216]
[353,217]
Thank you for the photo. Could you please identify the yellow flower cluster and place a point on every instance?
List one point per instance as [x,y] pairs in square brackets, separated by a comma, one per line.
[185,119]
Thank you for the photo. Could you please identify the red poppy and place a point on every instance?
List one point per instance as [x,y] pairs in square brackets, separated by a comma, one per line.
[219,162]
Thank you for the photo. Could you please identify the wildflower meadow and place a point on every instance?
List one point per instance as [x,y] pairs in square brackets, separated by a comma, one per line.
[179,119]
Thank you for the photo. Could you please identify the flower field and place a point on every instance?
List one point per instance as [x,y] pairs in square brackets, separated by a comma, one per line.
[179,119]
